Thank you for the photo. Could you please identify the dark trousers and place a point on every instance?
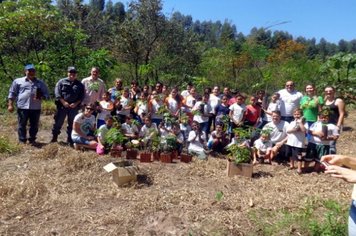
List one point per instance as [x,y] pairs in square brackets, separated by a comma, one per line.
[23,116]
[59,118]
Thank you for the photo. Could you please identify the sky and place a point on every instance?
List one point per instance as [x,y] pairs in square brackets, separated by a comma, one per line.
[332,20]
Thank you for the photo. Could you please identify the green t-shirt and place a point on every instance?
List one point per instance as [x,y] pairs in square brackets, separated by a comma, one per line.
[310,107]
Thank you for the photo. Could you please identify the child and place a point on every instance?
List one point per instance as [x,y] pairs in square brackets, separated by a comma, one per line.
[218,139]
[296,136]
[141,108]
[102,131]
[148,130]
[196,141]
[263,149]
[178,134]
[322,134]
[202,111]
[237,113]
[129,129]
[274,105]
[106,106]
[184,127]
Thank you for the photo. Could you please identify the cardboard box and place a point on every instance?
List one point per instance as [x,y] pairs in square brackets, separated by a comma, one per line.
[122,172]
[243,169]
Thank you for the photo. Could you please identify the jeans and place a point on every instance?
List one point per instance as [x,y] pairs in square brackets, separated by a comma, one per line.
[204,126]
[352,219]
[23,116]
[59,118]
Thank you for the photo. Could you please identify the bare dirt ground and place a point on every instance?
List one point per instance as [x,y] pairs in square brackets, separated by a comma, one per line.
[55,190]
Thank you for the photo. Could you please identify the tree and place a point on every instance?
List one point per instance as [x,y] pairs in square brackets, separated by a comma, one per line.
[339,71]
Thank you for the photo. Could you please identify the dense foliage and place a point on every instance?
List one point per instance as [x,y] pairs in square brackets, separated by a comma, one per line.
[142,43]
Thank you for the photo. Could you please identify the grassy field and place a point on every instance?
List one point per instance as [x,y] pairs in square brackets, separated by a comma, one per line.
[55,190]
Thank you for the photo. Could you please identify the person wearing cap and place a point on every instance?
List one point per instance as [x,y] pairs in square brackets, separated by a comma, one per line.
[27,92]
[94,87]
[69,93]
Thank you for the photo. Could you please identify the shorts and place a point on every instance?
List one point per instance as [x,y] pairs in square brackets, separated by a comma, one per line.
[316,151]
[80,140]
[294,152]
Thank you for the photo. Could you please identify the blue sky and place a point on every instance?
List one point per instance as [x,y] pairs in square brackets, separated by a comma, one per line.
[329,19]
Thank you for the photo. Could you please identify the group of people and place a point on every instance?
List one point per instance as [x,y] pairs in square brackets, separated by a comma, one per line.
[204,123]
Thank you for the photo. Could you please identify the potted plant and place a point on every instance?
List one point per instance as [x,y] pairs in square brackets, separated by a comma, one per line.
[168,146]
[115,138]
[132,149]
[240,157]
[185,156]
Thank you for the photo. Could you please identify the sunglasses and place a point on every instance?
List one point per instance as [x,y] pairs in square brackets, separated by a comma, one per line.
[89,108]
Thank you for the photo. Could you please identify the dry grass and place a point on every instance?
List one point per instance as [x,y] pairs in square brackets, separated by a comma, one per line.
[59,191]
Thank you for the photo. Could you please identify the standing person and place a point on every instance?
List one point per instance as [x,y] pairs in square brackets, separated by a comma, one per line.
[335,169]
[94,87]
[115,92]
[274,105]
[311,104]
[214,101]
[290,100]
[28,92]
[322,133]
[174,102]
[69,93]
[296,135]
[337,112]
[186,93]
[237,112]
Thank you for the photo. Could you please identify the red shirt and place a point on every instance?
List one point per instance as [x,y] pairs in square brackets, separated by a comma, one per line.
[252,113]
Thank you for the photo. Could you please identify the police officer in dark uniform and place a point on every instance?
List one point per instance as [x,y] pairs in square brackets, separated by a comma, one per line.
[69,93]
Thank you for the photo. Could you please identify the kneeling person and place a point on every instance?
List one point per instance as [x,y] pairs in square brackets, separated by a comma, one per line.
[83,129]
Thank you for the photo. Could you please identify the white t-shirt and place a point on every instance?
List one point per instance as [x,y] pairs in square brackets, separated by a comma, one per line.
[289,101]
[194,143]
[102,131]
[237,111]
[272,107]
[86,124]
[201,118]
[172,104]
[262,146]
[129,129]
[214,101]
[146,131]
[295,139]
[142,107]
[318,126]
[278,131]
[124,103]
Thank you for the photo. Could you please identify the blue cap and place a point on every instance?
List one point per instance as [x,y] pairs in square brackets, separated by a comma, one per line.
[72,69]
[29,67]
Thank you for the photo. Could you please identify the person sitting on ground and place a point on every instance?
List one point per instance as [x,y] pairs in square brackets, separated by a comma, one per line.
[296,136]
[197,139]
[322,133]
[278,135]
[263,149]
[148,130]
[102,146]
[179,136]
[129,129]
[83,129]
[218,139]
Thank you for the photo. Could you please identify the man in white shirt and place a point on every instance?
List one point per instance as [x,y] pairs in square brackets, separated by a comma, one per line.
[290,99]
[94,87]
